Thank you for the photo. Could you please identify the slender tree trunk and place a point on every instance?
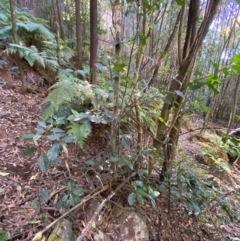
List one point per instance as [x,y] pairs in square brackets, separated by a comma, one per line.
[23,89]
[78,34]
[115,124]
[60,20]
[234,105]
[93,40]
[167,137]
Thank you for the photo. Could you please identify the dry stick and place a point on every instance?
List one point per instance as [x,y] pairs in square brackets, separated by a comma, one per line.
[39,235]
[89,224]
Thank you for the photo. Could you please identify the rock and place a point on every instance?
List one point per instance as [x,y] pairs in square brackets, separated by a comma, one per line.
[133,227]
[100,236]
[62,232]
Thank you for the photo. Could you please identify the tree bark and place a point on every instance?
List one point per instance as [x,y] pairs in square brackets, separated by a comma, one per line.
[23,89]
[167,137]
[78,34]
[60,20]
[93,41]
[234,105]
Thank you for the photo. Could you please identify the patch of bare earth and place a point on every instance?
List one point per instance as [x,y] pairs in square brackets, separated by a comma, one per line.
[23,212]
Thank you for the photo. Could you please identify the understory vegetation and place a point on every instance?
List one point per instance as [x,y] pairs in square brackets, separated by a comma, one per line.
[179,59]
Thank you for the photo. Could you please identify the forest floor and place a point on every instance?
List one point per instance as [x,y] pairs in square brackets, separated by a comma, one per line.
[21,180]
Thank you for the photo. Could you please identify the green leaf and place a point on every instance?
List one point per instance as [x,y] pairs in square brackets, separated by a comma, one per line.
[128,163]
[40,130]
[236,58]
[113,159]
[55,136]
[44,193]
[27,137]
[56,160]
[142,38]
[78,192]
[59,204]
[58,130]
[140,198]
[118,67]
[131,198]
[179,2]
[73,199]
[215,65]
[54,151]
[4,235]
[236,67]
[43,162]
[42,124]
[69,139]
[226,71]
[179,93]
[36,137]
[70,185]
[65,198]
[138,183]
[28,151]
[90,162]
[86,128]
[155,193]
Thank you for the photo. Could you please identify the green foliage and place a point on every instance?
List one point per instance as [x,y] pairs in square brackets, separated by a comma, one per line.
[141,192]
[4,235]
[215,151]
[199,193]
[56,136]
[71,198]
[72,93]
[32,55]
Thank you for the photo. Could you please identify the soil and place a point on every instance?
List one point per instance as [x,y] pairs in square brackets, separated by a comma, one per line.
[23,212]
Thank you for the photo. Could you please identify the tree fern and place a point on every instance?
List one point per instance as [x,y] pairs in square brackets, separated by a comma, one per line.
[32,55]
[37,28]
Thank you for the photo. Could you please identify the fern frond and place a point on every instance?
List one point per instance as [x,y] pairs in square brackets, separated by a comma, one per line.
[30,54]
[62,92]
[5,31]
[35,27]
[3,17]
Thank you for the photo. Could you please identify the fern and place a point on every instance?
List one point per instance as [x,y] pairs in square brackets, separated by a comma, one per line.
[32,55]
[73,93]
[37,28]
[80,131]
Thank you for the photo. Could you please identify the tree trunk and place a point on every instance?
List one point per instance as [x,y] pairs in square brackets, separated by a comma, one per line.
[60,20]
[78,34]
[234,104]
[168,137]
[23,89]
[93,41]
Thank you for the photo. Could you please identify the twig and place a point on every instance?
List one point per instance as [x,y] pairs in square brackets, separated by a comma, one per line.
[89,224]
[87,227]
[39,235]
